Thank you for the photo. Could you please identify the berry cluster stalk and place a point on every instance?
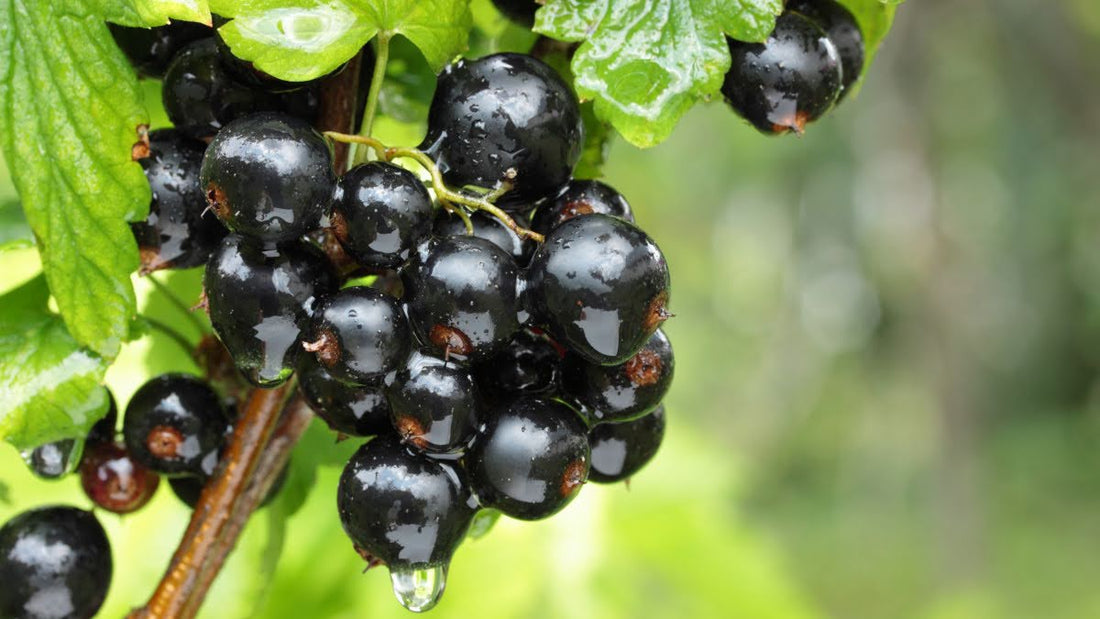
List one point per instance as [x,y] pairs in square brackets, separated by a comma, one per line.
[448,197]
[257,452]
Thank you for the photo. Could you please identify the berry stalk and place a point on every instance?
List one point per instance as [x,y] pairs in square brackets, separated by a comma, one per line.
[272,461]
[381,58]
[213,515]
[447,196]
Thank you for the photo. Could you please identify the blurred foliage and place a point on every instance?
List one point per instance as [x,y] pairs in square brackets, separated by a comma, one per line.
[886,401]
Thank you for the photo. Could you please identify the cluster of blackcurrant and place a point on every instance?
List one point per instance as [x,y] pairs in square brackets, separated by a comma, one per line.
[478,359]
[498,365]
[175,426]
[806,66]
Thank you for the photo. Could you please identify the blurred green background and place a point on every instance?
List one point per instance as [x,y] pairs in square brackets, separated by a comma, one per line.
[887,341]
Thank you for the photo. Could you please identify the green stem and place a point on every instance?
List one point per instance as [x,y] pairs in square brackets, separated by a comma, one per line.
[178,303]
[442,192]
[381,58]
[172,334]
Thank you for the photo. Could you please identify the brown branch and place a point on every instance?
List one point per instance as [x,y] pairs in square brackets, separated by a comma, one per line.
[212,514]
[293,422]
[338,99]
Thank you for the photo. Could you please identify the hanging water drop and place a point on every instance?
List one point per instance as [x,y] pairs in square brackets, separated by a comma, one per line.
[419,589]
[54,460]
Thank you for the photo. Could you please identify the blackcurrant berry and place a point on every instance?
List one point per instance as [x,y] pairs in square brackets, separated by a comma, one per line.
[200,96]
[531,459]
[530,364]
[522,12]
[115,481]
[789,80]
[505,117]
[175,424]
[462,295]
[347,408]
[55,562]
[489,228]
[176,234]
[359,334]
[268,176]
[620,449]
[842,29]
[379,213]
[600,285]
[260,303]
[151,50]
[614,393]
[581,198]
[434,403]
[189,489]
[404,509]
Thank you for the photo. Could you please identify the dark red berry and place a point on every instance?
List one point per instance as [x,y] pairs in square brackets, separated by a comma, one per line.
[115,481]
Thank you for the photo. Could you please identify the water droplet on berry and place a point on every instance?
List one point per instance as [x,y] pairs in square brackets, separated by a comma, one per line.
[419,590]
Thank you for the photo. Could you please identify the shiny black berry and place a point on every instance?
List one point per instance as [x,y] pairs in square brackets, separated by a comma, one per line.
[489,228]
[620,449]
[621,392]
[261,302]
[178,233]
[435,404]
[789,80]
[55,562]
[359,334]
[505,117]
[600,285]
[200,96]
[581,198]
[404,509]
[189,489]
[522,12]
[531,364]
[268,177]
[462,295]
[106,428]
[115,481]
[175,424]
[347,408]
[842,29]
[379,213]
[531,459]
[151,50]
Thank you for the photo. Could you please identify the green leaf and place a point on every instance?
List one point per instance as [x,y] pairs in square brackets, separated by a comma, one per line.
[50,387]
[303,40]
[13,224]
[5,496]
[138,13]
[69,110]
[875,18]
[646,62]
